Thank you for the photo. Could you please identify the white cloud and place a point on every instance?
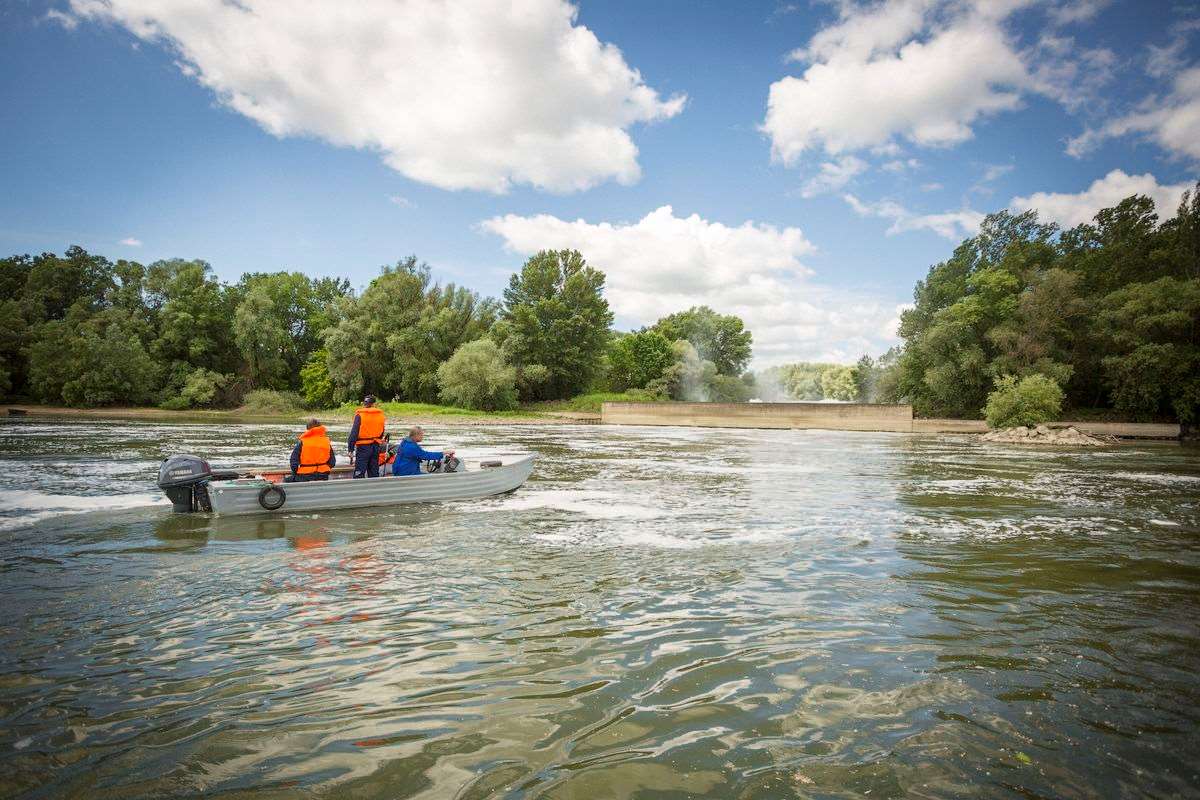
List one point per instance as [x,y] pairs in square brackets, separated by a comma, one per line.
[952,225]
[923,71]
[398,200]
[1070,210]
[1172,122]
[834,175]
[1166,60]
[66,20]
[664,263]
[1076,11]
[129,241]
[894,70]
[900,165]
[476,95]
[930,187]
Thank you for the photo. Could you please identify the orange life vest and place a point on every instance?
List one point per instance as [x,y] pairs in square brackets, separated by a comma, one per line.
[314,451]
[370,426]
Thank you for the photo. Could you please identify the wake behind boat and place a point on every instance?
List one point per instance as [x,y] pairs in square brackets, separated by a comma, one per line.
[193,486]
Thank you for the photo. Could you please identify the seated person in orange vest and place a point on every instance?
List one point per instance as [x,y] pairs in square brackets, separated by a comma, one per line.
[411,454]
[366,436]
[313,456]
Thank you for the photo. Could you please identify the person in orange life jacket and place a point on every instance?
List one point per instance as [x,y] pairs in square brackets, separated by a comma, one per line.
[313,456]
[366,436]
[410,454]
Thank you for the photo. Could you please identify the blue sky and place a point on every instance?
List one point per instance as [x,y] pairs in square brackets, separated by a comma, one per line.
[815,158]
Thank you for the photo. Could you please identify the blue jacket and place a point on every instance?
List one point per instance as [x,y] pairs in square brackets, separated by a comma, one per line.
[353,433]
[409,458]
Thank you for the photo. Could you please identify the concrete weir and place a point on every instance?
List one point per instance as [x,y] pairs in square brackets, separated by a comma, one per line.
[837,417]
[829,416]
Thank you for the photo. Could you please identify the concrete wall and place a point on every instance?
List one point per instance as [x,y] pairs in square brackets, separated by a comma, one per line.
[829,416]
[837,417]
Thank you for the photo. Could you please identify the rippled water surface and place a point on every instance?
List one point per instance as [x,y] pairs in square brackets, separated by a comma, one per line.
[657,613]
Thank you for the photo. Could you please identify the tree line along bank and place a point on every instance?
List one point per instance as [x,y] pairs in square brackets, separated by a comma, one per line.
[1105,315]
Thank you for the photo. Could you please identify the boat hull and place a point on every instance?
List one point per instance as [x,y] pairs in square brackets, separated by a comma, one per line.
[241,497]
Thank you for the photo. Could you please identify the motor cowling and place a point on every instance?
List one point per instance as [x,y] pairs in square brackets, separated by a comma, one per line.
[185,479]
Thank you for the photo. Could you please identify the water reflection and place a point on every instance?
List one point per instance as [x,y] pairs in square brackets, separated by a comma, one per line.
[727,614]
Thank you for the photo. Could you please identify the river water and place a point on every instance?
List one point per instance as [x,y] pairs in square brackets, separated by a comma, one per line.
[659,612]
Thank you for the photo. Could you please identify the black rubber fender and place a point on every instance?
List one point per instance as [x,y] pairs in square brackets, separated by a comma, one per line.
[267,492]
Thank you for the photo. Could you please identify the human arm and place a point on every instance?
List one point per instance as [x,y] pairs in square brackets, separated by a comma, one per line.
[412,450]
[295,460]
[353,434]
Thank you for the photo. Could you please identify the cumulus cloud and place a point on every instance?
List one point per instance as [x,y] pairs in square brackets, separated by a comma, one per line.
[924,71]
[952,225]
[1070,210]
[1172,121]
[893,70]
[833,175]
[663,263]
[129,241]
[458,95]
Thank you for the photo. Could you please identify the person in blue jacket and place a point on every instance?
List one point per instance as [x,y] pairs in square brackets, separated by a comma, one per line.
[411,454]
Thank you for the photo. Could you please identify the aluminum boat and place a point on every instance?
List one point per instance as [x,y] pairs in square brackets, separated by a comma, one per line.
[193,486]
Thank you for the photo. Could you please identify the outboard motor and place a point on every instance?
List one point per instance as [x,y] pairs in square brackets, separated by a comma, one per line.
[185,480]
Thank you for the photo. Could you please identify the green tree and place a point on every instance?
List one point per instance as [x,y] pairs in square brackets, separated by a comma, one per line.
[839,384]
[13,334]
[556,318]
[56,283]
[91,361]
[391,340]
[260,330]
[719,338]
[192,313]
[1031,401]
[316,385]
[476,376]
[637,359]
[1152,332]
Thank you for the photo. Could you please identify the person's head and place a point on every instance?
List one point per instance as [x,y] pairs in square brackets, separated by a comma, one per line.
[416,433]
[312,423]
[369,400]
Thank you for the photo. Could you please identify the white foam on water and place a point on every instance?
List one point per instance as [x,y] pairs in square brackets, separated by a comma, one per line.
[1166,523]
[28,507]
[1161,478]
[592,504]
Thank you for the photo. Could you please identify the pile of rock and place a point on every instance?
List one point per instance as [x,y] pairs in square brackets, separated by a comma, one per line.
[1044,434]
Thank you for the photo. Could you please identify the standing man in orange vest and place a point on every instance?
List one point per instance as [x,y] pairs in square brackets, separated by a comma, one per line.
[313,456]
[366,436]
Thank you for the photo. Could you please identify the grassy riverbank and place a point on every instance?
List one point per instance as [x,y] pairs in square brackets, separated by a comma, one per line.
[561,412]
[401,413]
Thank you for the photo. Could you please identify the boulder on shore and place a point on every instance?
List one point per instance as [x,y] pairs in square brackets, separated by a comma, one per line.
[1044,434]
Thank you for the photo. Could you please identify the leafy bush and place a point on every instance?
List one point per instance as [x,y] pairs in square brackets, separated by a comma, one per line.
[315,380]
[1030,401]
[270,401]
[476,376]
[639,358]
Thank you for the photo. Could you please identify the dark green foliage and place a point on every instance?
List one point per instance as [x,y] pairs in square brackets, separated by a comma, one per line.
[636,359]
[316,385]
[719,338]
[1107,310]
[91,361]
[477,377]
[554,326]
[391,340]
